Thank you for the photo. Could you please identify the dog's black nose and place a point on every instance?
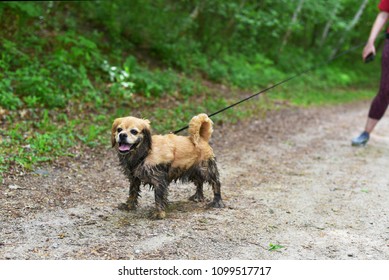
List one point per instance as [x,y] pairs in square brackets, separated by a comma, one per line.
[122,136]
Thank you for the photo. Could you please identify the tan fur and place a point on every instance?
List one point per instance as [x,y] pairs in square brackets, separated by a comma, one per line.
[127,123]
[179,151]
[161,159]
[200,126]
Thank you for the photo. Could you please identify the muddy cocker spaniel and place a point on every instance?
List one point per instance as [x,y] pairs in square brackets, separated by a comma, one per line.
[160,159]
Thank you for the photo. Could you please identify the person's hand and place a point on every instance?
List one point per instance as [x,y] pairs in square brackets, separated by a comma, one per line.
[369,48]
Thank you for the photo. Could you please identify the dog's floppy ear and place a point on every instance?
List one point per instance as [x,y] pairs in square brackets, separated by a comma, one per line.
[147,124]
[114,127]
[147,137]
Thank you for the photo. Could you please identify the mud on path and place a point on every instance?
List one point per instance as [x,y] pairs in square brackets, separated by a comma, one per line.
[290,179]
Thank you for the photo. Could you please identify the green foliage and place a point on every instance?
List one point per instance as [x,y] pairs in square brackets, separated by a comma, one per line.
[65,66]
[244,72]
[7,98]
[275,247]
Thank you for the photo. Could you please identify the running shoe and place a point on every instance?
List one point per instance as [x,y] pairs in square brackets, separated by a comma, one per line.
[361,140]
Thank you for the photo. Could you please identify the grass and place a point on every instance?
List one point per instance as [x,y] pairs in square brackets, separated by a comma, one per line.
[62,82]
[57,106]
[275,247]
[34,136]
[316,97]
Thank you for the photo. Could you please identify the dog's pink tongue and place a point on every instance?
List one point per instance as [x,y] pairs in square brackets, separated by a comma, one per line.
[124,147]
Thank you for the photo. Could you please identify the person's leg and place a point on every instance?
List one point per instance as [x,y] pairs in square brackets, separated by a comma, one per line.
[370,125]
[380,102]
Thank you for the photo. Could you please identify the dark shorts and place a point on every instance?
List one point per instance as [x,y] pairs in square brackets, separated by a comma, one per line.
[381,101]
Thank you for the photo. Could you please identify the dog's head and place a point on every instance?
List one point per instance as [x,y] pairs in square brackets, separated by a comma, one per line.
[130,133]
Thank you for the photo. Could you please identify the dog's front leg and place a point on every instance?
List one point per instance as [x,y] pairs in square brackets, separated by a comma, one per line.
[132,201]
[160,192]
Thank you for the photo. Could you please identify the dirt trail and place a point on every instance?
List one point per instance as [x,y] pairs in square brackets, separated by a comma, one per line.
[290,179]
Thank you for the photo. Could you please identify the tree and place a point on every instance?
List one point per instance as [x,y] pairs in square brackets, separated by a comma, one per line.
[292,23]
[328,25]
[350,27]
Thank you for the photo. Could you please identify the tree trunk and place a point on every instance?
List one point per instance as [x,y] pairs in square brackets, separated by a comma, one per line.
[328,26]
[294,20]
[350,27]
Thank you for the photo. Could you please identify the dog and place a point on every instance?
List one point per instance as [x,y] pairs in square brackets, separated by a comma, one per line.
[160,159]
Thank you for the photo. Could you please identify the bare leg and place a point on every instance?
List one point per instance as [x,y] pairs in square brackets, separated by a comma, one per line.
[370,125]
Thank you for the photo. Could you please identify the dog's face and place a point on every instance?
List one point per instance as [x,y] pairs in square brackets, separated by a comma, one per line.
[129,133]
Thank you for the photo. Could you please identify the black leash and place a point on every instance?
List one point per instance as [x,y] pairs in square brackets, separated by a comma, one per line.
[280,83]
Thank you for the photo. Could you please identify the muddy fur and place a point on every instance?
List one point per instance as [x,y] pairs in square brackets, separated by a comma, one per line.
[187,159]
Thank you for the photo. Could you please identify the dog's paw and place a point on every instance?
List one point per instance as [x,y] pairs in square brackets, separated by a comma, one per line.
[158,215]
[126,207]
[123,207]
[197,197]
[132,203]
[216,204]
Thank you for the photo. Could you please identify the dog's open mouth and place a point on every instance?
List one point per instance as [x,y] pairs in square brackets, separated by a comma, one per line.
[124,147]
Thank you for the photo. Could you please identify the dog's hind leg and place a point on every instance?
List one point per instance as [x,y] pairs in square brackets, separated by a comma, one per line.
[132,201]
[198,196]
[213,179]
[217,198]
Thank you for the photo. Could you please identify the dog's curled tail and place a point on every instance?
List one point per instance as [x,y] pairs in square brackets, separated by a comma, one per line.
[200,127]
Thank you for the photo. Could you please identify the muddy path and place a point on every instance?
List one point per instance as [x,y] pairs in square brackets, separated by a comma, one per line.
[290,179]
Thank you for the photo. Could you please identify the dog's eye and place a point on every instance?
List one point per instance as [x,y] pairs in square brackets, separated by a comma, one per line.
[119,129]
[133,131]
